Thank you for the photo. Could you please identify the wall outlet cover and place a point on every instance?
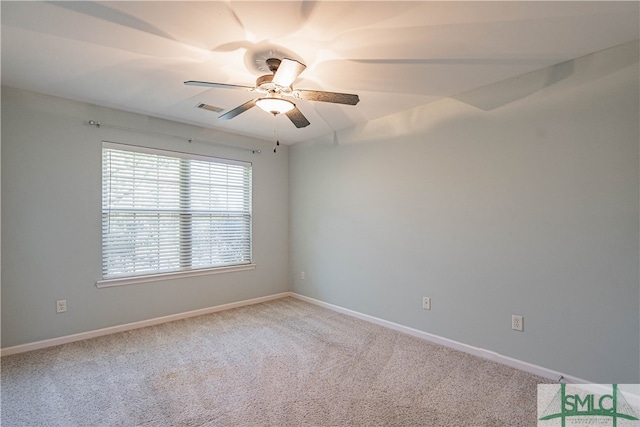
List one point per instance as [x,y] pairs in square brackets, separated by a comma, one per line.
[517,323]
[61,306]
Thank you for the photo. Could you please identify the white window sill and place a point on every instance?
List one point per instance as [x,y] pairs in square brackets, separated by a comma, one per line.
[123,281]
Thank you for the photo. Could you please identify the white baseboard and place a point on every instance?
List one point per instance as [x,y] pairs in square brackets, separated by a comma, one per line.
[135,325]
[476,351]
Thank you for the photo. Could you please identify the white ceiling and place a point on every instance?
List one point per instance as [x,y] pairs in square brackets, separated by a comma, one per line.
[395,55]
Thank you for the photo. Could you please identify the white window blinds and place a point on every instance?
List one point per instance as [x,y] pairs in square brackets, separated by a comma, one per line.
[166,212]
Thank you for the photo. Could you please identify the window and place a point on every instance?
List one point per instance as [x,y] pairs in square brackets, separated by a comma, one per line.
[165,212]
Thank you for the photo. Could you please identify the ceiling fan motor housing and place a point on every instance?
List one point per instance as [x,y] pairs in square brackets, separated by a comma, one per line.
[263,80]
[264,84]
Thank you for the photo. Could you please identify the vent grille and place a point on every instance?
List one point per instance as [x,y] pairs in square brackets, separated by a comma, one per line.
[209,107]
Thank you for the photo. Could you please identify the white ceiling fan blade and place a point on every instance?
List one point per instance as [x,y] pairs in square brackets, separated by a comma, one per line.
[317,95]
[238,110]
[297,118]
[221,85]
[288,72]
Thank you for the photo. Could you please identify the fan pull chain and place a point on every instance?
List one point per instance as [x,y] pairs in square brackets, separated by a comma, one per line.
[276,132]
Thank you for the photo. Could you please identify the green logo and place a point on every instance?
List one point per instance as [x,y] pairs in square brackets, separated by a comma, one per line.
[589,408]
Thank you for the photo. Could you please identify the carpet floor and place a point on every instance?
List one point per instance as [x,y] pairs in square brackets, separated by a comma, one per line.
[280,363]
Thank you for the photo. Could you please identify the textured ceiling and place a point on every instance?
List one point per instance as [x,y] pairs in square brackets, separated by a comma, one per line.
[135,56]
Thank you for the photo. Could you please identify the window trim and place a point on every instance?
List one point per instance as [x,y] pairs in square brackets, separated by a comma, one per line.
[163,152]
[132,280]
[170,275]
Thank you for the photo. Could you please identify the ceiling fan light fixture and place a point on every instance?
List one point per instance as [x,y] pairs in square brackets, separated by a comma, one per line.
[275,105]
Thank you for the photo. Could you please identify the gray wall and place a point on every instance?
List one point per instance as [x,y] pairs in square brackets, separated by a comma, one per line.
[51,184]
[519,198]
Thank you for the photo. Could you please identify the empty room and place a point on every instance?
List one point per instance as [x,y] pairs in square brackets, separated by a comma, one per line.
[320,213]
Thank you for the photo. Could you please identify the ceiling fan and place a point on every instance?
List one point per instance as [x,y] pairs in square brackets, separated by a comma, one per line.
[275,87]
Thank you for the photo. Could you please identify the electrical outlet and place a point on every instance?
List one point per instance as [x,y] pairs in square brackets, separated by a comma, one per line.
[426,303]
[302,275]
[517,323]
[61,306]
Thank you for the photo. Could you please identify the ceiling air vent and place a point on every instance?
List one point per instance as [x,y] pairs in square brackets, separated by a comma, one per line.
[209,107]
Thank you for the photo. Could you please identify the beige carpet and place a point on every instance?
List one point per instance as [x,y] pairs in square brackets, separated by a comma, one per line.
[280,363]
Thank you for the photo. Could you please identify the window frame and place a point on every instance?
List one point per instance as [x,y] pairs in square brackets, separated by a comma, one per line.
[182,272]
